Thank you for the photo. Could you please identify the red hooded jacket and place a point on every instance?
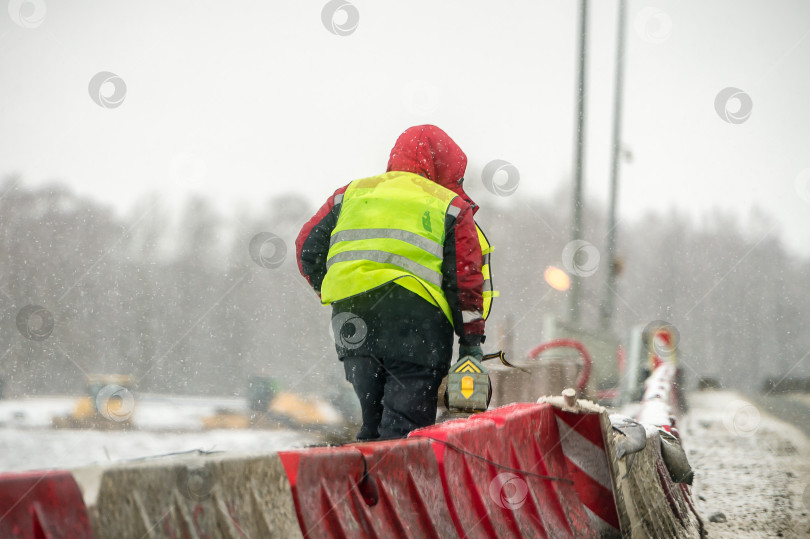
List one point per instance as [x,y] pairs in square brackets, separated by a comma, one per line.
[429,152]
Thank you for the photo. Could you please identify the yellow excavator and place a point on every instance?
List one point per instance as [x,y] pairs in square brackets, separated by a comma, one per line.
[270,408]
[108,405]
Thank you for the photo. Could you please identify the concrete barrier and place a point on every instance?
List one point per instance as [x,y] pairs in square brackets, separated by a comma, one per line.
[650,504]
[649,501]
[191,496]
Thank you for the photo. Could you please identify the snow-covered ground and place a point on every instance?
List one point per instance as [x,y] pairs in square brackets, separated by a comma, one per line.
[164,425]
[752,471]
[43,449]
[152,412]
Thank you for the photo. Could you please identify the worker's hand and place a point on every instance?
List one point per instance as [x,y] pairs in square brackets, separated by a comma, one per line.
[474,350]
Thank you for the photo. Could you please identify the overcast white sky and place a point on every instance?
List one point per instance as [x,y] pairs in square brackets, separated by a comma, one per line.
[244,100]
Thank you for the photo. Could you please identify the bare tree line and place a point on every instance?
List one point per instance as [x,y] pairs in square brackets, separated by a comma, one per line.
[186,309]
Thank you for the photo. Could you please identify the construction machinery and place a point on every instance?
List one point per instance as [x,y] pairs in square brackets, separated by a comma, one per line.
[268,407]
[108,404]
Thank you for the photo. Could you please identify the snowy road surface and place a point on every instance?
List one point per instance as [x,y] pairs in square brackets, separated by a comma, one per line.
[749,466]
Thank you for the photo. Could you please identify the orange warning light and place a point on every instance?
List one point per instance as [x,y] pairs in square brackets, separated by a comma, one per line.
[557,278]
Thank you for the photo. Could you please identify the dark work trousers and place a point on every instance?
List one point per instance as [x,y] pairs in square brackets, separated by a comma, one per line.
[396,348]
[396,396]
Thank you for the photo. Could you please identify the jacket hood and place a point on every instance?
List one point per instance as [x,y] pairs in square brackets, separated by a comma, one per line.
[430,152]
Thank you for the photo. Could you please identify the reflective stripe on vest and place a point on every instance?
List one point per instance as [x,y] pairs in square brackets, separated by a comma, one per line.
[391,228]
[486,270]
[388,258]
[389,233]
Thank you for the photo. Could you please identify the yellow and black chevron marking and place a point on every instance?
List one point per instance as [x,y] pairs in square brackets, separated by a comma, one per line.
[467,366]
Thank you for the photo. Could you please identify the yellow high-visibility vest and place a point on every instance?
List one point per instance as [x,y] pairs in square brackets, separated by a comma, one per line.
[391,229]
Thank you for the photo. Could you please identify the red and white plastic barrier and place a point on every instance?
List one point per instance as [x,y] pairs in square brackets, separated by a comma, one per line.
[586,456]
[42,505]
[659,403]
[502,473]
[505,475]
[377,489]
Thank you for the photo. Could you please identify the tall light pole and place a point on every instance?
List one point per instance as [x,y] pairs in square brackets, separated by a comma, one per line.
[610,279]
[576,230]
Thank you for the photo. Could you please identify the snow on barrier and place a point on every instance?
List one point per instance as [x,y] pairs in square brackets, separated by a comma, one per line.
[42,504]
[191,496]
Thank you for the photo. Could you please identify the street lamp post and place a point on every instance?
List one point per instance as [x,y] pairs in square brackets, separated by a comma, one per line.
[576,232]
[610,278]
